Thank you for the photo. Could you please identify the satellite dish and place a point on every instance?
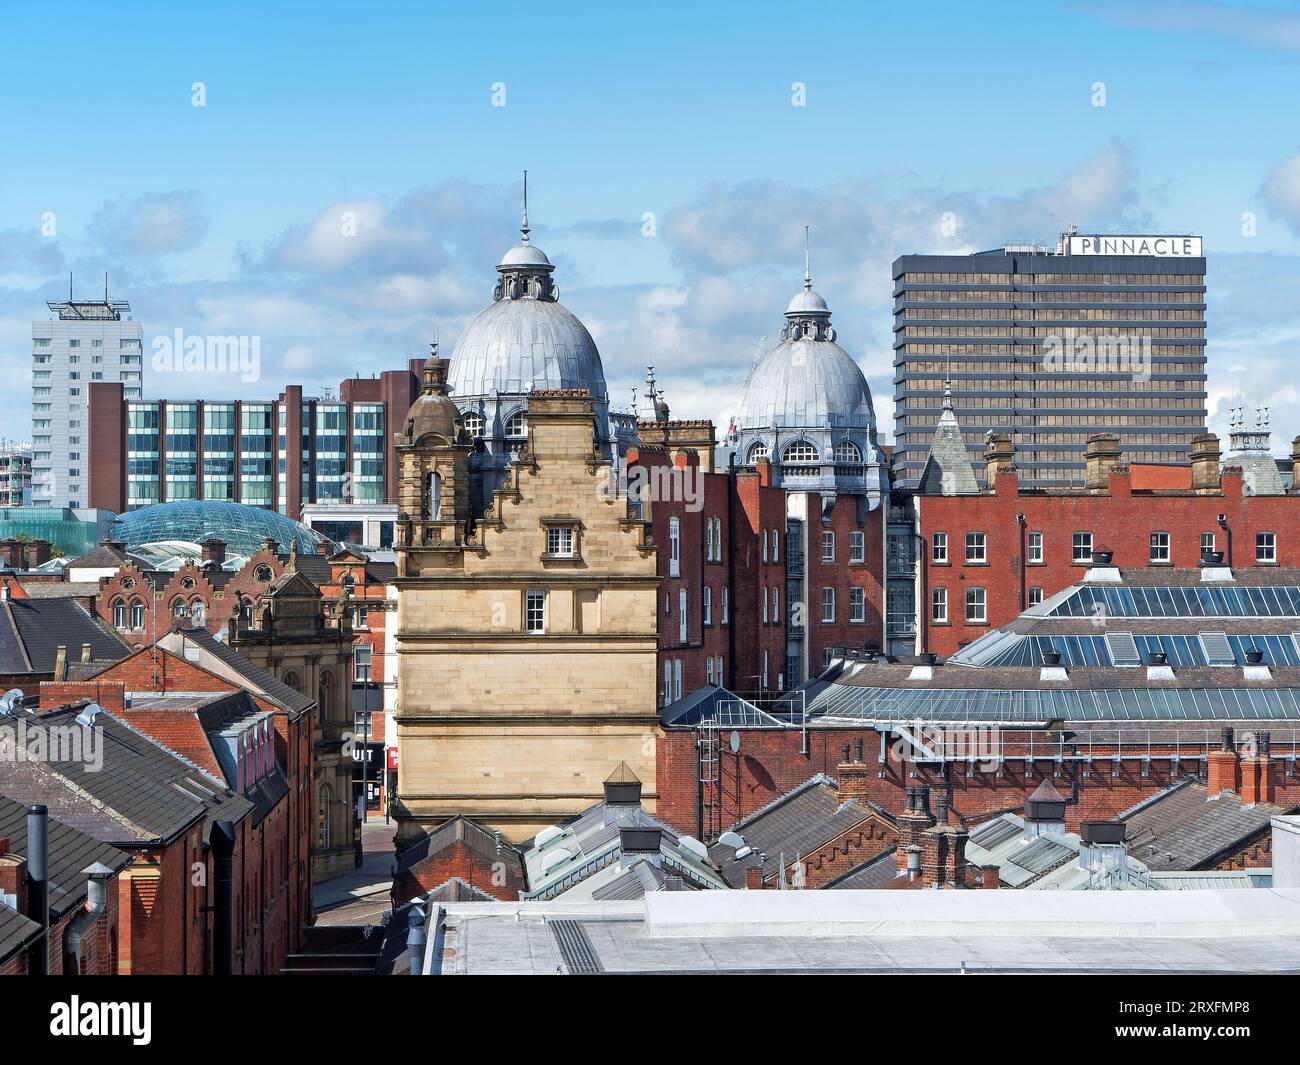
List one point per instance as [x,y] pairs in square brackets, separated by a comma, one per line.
[11,699]
[734,742]
[731,839]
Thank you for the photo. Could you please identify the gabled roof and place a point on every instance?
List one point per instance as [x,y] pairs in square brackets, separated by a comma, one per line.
[585,856]
[185,723]
[711,702]
[221,659]
[142,794]
[791,826]
[460,829]
[70,852]
[17,933]
[103,556]
[1184,828]
[32,631]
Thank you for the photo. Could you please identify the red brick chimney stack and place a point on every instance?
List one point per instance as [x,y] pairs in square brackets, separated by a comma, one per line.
[1221,767]
[214,550]
[1257,773]
[913,823]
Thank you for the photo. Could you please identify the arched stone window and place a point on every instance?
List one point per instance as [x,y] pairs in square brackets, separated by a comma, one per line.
[198,612]
[180,609]
[119,614]
[433,496]
[800,451]
[137,614]
[847,451]
[517,424]
[474,424]
[758,451]
[326,700]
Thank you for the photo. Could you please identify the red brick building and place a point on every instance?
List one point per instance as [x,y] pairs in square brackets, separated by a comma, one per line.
[81,941]
[274,847]
[988,556]
[757,584]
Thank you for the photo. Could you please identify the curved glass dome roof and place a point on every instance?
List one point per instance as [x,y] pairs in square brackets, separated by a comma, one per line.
[193,520]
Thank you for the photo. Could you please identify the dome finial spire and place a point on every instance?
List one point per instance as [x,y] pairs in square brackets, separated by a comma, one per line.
[523,228]
[807,260]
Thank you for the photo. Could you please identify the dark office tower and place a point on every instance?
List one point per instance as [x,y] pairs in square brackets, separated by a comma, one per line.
[1100,334]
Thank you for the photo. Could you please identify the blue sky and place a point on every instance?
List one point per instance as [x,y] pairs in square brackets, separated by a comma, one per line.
[223,219]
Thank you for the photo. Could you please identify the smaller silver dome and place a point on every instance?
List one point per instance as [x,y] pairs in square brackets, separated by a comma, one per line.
[525,255]
[807,302]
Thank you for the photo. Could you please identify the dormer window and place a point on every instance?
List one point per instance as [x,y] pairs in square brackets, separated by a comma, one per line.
[563,539]
[801,451]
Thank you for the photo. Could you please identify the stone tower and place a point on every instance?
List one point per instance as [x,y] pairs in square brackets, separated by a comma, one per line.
[526,637]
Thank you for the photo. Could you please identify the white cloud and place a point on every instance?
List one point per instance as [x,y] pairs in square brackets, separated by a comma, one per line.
[1281,191]
[156,223]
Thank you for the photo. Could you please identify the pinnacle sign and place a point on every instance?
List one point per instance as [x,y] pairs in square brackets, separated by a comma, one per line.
[1174,247]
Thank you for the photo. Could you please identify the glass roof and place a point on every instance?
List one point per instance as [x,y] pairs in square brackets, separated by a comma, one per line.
[1242,601]
[1181,650]
[852,704]
[193,520]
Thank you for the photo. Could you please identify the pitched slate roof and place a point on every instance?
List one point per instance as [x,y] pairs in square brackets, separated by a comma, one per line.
[142,794]
[1183,828]
[17,933]
[70,851]
[459,829]
[791,826]
[225,661]
[948,470]
[873,874]
[60,589]
[103,556]
[33,630]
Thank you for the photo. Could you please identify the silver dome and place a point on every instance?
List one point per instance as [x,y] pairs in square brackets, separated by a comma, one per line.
[807,302]
[807,381]
[516,345]
[525,254]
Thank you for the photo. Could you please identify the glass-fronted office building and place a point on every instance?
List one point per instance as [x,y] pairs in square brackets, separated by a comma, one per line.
[278,454]
[1099,334]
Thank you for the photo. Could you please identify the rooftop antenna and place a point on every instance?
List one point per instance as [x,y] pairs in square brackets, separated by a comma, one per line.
[69,286]
[1070,227]
[807,260]
[523,229]
[105,286]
